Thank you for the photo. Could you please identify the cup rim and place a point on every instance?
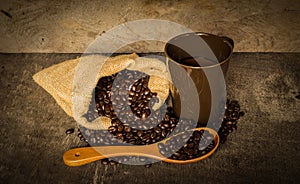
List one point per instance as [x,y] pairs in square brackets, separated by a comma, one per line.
[199,34]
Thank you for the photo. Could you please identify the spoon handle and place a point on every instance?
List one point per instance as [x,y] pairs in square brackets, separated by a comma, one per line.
[81,156]
[85,155]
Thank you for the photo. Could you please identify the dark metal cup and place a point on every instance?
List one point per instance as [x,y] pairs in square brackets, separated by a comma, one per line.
[186,52]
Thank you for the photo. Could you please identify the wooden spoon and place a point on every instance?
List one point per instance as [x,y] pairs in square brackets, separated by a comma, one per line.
[85,155]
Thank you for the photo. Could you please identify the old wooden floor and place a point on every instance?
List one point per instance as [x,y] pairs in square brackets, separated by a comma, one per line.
[264,148]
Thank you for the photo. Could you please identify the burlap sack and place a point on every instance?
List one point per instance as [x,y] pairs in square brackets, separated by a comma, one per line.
[72,82]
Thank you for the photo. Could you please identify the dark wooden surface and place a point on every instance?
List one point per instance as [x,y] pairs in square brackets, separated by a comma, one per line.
[265,148]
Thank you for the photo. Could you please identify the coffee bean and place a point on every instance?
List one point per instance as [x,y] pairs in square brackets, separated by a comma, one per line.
[112,162]
[153,135]
[157,130]
[112,129]
[127,128]
[92,140]
[144,115]
[148,165]
[140,133]
[119,134]
[120,128]
[138,88]
[163,133]
[129,135]
[146,138]
[143,159]
[166,125]
[70,131]
[107,101]
[242,113]
[105,161]
[115,122]
[83,139]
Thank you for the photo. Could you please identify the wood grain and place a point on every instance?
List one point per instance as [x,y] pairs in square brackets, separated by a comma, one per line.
[69,27]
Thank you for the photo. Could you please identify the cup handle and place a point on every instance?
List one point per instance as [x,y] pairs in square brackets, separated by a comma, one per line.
[228,39]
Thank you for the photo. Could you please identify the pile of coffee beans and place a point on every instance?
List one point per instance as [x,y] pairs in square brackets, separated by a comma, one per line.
[126,95]
[103,97]
[230,119]
[196,145]
[134,136]
[141,99]
[126,99]
[119,132]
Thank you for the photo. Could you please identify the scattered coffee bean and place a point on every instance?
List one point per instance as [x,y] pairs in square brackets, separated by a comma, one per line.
[112,162]
[70,131]
[148,165]
[105,161]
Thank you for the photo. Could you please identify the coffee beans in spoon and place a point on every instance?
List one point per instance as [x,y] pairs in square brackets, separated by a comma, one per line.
[200,143]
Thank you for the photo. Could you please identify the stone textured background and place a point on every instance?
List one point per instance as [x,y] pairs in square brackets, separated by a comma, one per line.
[70,26]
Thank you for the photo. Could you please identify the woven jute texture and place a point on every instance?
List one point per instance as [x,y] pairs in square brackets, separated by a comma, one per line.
[71,83]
